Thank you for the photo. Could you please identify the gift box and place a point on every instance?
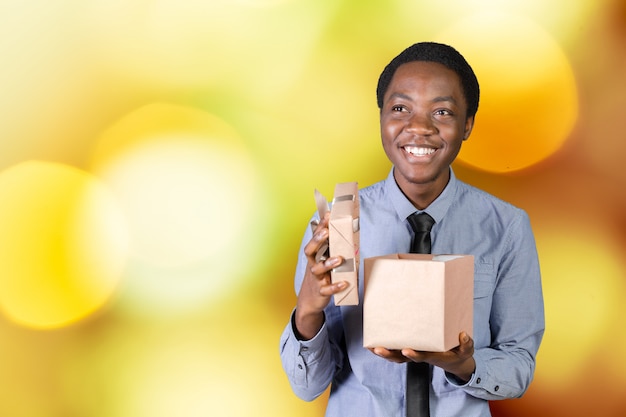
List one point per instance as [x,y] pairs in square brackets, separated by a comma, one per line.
[417,301]
[343,239]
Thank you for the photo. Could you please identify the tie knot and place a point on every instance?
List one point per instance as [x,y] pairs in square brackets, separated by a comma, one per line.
[421,222]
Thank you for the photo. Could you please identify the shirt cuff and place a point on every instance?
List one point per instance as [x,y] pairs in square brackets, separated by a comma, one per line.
[452,379]
[315,341]
[480,379]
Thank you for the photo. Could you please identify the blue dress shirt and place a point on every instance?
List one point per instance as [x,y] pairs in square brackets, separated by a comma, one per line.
[508,309]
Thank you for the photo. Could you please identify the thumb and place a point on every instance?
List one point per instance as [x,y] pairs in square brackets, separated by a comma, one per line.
[465,341]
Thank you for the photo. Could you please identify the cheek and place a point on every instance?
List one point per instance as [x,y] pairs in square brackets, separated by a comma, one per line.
[384,132]
[453,135]
[387,137]
[453,149]
[387,140]
[389,130]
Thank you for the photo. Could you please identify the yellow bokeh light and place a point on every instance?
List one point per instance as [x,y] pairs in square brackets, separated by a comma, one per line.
[583,285]
[199,367]
[63,245]
[186,198]
[529,100]
[207,43]
[563,18]
[192,195]
[611,360]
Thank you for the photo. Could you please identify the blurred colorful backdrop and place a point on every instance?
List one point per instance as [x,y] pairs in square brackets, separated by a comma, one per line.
[157,166]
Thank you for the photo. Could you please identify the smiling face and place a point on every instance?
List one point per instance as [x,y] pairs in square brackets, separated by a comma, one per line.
[423,124]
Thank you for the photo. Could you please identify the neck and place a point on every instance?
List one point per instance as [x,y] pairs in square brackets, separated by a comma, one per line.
[421,195]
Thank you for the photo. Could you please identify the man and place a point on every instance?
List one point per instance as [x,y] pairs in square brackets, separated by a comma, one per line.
[428,97]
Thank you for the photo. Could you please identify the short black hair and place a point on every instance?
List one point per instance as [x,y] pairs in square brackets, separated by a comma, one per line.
[434,52]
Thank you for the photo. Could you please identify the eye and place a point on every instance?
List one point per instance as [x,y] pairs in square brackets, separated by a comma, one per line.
[443,112]
[397,108]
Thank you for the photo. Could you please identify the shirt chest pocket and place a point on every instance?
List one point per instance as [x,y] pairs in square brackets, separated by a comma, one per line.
[484,279]
[484,285]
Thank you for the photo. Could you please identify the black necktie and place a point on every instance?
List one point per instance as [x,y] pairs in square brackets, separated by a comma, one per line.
[421,223]
[418,374]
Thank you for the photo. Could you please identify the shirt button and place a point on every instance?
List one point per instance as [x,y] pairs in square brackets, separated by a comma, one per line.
[300,367]
[497,388]
[478,380]
[304,348]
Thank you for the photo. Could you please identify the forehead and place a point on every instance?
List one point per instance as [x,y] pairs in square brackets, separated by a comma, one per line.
[425,76]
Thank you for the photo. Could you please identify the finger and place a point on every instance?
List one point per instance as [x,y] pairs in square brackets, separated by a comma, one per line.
[380,351]
[408,353]
[321,250]
[323,223]
[332,289]
[414,355]
[317,241]
[322,268]
[391,355]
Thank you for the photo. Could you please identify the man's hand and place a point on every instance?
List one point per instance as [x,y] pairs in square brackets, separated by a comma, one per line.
[316,290]
[458,361]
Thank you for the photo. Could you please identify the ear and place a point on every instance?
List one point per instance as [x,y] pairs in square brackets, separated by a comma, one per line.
[469,125]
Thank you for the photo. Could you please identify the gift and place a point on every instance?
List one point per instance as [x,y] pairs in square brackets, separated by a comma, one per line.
[343,239]
[417,301]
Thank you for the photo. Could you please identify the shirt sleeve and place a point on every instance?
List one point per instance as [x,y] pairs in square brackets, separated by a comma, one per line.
[310,365]
[307,363]
[506,367]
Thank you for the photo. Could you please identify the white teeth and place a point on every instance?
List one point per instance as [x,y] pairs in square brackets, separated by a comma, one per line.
[417,151]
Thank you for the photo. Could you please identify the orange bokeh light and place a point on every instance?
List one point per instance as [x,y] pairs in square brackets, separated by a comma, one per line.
[528,92]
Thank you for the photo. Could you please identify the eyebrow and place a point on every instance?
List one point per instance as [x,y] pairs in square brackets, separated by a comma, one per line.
[438,99]
[444,98]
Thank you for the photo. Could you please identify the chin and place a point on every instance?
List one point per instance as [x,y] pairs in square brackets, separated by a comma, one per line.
[424,177]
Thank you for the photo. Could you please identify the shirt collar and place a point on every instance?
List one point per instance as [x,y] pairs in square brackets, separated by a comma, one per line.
[437,209]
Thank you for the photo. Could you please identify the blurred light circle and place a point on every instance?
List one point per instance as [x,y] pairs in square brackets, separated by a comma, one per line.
[63,245]
[207,43]
[185,197]
[197,367]
[529,101]
[583,281]
[194,203]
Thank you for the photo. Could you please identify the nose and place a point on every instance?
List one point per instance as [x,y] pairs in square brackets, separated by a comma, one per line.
[419,124]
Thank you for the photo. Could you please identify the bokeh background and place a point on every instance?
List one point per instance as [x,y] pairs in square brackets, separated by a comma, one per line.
[157,166]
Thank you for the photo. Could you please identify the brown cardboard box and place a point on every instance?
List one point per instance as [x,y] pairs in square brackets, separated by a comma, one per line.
[418,301]
[343,238]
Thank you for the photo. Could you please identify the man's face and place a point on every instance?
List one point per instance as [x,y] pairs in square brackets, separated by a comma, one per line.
[423,124]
